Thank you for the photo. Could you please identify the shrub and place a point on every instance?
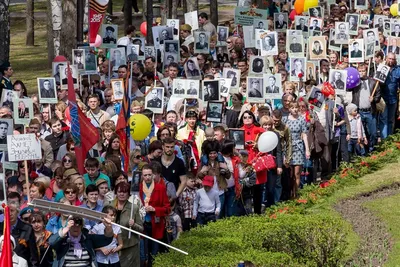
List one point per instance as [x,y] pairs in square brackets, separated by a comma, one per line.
[315,240]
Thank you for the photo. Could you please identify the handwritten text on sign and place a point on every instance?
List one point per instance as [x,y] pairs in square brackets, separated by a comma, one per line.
[23,147]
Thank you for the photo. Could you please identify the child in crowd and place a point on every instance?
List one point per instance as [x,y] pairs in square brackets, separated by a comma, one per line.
[174,223]
[210,137]
[248,180]
[108,256]
[357,134]
[186,201]
[206,204]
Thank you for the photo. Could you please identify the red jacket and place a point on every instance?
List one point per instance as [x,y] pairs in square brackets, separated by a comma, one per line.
[159,201]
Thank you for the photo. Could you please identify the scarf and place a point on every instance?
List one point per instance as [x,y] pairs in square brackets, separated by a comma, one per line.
[147,191]
[77,245]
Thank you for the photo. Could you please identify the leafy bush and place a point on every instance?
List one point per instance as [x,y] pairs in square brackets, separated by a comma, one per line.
[315,240]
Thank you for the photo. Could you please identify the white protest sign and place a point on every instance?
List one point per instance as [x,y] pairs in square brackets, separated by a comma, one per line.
[23,147]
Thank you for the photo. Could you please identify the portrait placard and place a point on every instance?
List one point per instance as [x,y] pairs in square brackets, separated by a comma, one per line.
[295,45]
[23,110]
[155,100]
[192,69]
[56,70]
[269,44]
[260,24]
[316,98]
[255,90]
[47,90]
[249,37]
[222,35]
[64,76]
[202,42]
[342,33]
[356,47]
[211,90]
[316,12]
[192,19]
[224,86]
[78,59]
[193,88]
[233,74]
[118,88]
[281,22]
[361,5]
[337,79]
[257,65]
[6,128]
[110,35]
[118,57]
[23,147]
[174,23]
[297,68]
[245,15]
[90,60]
[332,44]
[214,112]
[382,73]
[179,88]
[310,71]
[237,135]
[354,21]
[317,47]
[132,50]
[273,85]
[7,98]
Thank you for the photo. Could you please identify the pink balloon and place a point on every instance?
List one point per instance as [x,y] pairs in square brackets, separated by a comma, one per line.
[98,41]
[292,15]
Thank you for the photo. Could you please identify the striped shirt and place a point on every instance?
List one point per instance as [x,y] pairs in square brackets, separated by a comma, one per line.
[73,261]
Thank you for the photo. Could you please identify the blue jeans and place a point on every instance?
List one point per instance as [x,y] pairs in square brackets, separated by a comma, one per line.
[278,189]
[229,205]
[222,201]
[205,218]
[370,120]
[386,123]
[355,147]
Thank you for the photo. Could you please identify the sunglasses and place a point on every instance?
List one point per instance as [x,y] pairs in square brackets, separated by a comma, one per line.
[67,160]
[69,192]
[247,117]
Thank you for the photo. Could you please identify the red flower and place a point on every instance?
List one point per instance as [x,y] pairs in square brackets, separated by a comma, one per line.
[303,201]
[363,163]
[185,141]
[33,175]
[374,157]
[156,78]
[311,107]
[300,75]
[273,216]
[324,184]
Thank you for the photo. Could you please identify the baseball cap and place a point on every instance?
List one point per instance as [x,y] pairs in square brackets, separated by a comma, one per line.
[208,181]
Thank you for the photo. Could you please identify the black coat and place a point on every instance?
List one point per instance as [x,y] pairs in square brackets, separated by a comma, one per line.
[377,96]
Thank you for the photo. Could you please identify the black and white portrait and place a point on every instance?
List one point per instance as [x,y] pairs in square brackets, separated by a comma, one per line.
[214,112]
[160,34]
[118,57]
[47,90]
[297,67]
[273,85]
[248,36]
[379,22]
[174,24]
[178,87]
[316,98]
[370,44]
[222,35]
[64,76]
[315,12]
[371,36]
[6,128]
[118,88]
[295,45]
[222,54]
[140,42]
[211,90]
[353,20]
[342,33]
[90,60]
[260,24]
[310,71]
[315,24]
[23,110]
[149,51]
[109,34]
[201,42]
[192,69]
[269,44]
[361,4]
[332,42]
[169,58]
[337,79]
[57,71]
[224,86]
[395,29]
[257,64]
[133,53]
[172,47]
[154,100]
[301,23]
[356,48]
[317,47]
[233,74]
[237,136]
[192,18]
[244,3]
[255,90]
[7,97]
[382,73]
[281,22]
[193,88]
[364,21]
[78,58]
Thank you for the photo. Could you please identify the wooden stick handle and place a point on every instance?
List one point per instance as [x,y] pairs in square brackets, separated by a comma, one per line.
[375,87]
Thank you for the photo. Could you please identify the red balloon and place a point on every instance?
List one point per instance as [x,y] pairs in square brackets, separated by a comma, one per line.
[292,15]
[59,59]
[143,28]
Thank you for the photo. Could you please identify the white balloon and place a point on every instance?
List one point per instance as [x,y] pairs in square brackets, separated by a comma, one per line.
[267,142]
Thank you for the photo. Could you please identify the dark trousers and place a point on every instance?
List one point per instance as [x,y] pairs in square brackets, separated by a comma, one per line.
[269,196]
[151,248]
[257,197]
[109,265]
[188,223]
[205,218]
[285,183]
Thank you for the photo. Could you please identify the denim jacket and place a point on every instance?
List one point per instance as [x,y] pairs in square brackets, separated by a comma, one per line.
[391,85]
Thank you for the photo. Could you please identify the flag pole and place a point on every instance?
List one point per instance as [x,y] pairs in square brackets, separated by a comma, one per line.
[26,173]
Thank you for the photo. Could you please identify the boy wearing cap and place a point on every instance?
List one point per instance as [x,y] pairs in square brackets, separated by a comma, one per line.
[206,204]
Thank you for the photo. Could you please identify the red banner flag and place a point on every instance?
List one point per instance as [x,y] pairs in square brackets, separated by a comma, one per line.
[7,250]
[97,9]
[84,134]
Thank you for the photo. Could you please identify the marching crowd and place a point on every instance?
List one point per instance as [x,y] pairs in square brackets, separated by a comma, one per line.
[188,171]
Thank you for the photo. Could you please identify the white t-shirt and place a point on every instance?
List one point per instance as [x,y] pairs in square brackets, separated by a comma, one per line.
[98,229]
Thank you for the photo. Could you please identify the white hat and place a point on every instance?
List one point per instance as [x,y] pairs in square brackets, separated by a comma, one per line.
[11,237]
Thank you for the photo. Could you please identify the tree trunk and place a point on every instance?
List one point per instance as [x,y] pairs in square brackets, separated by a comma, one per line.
[127,13]
[56,21]
[68,28]
[30,24]
[149,20]
[50,39]
[214,12]
[192,5]
[110,7]
[4,31]
[174,11]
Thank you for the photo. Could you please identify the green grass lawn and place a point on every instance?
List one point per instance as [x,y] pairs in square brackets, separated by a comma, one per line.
[388,209]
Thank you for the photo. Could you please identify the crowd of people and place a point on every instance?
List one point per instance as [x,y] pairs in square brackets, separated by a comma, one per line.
[190,170]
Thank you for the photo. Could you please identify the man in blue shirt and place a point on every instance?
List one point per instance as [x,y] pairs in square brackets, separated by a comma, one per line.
[389,93]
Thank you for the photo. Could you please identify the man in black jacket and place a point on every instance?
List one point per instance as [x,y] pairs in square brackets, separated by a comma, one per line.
[23,234]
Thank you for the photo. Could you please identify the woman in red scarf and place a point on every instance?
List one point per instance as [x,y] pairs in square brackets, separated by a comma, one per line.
[155,201]
[251,133]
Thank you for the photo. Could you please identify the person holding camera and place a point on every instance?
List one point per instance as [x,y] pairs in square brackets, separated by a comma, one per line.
[74,246]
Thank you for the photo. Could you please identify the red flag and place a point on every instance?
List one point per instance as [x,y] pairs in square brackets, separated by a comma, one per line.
[6,252]
[122,127]
[97,9]
[84,134]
